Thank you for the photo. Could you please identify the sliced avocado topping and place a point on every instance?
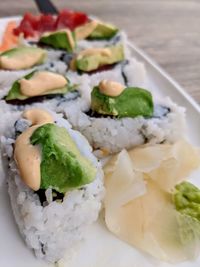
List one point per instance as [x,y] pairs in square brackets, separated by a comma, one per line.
[132,102]
[63,167]
[99,57]
[22,58]
[63,39]
[186,199]
[15,92]
[103,31]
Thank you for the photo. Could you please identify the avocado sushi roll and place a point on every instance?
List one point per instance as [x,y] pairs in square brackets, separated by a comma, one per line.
[124,117]
[18,62]
[38,85]
[55,183]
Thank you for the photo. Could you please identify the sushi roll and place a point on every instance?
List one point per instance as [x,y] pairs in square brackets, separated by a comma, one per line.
[124,117]
[55,183]
[44,83]
[38,85]
[17,62]
[24,60]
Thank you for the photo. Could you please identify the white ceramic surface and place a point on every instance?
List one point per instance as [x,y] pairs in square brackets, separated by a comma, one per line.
[101,248]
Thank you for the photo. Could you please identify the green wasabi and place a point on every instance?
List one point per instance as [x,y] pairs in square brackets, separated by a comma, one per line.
[186,199]
[63,167]
[132,102]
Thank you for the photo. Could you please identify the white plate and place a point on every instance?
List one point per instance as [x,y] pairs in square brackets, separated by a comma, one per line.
[101,248]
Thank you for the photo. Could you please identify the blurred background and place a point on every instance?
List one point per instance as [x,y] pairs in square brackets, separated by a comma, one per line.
[167,30]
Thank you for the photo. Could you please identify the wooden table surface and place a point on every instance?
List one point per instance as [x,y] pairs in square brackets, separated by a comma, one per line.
[169,31]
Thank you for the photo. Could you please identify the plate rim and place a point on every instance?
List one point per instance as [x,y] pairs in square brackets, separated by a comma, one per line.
[167,76]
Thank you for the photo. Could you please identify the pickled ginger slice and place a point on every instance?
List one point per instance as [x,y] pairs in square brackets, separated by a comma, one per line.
[123,183]
[166,164]
[149,157]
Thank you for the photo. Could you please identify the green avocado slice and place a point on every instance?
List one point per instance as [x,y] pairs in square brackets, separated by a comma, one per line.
[15,92]
[92,62]
[59,40]
[132,102]
[63,167]
[25,57]
[103,31]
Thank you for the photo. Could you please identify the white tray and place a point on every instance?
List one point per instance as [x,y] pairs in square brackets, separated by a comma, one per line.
[101,249]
